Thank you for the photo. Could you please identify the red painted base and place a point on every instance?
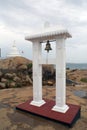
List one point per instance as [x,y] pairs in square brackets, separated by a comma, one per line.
[68,118]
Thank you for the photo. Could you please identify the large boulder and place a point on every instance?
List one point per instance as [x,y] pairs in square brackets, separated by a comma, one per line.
[12,84]
[2,85]
[17,79]
[50,83]
[9,76]
[1,74]
[3,80]
[13,62]
[48,72]
[28,79]
[14,72]
[22,67]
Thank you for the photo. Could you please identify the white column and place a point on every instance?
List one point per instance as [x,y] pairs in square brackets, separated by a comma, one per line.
[37,75]
[60,77]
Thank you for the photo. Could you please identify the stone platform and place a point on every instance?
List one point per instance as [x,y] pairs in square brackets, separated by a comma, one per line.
[68,118]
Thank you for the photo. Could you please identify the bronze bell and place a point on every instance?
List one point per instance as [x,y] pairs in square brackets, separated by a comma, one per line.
[48,46]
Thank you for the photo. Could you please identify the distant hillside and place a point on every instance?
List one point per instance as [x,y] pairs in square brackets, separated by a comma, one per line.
[13,62]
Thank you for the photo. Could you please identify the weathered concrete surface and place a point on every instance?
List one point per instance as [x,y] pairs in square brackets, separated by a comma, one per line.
[11,119]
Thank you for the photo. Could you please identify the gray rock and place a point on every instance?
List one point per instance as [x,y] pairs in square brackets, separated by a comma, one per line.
[50,83]
[2,85]
[12,85]
[16,79]
[28,79]
[22,67]
[9,75]
[1,74]
[14,75]
[3,80]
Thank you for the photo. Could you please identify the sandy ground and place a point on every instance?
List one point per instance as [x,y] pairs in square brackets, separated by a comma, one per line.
[11,119]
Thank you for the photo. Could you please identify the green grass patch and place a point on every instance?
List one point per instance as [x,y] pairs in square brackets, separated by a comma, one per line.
[84,80]
[29,65]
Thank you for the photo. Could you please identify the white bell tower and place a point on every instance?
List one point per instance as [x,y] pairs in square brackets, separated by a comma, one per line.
[59,35]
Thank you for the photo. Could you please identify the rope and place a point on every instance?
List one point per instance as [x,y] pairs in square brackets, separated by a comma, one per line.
[47,64]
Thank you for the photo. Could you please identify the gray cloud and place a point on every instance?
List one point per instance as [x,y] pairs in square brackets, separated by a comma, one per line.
[30,13]
[19,17]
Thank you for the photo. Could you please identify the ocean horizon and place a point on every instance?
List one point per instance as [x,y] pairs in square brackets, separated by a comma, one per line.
[76,65]
[82,66]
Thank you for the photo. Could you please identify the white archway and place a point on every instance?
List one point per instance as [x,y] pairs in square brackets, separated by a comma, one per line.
[59,35]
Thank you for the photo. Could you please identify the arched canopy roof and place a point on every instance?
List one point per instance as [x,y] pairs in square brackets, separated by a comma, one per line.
[50,33]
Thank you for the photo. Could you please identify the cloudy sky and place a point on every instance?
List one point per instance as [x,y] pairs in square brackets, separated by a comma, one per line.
[20,17]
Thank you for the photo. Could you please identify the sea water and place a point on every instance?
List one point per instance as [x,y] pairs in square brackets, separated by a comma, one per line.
[76,65]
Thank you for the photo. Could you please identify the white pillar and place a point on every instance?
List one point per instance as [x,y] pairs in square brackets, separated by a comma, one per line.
[60,77]
[37,75]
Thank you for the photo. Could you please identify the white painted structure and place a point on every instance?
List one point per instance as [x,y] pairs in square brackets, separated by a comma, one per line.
[13,51]
[59,35]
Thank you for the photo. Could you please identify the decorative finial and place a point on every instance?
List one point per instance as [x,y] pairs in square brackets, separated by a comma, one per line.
[46,24]
[14,43]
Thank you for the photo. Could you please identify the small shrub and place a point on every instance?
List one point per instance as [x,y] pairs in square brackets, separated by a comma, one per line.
[18,85]
[29,65]
[84,80]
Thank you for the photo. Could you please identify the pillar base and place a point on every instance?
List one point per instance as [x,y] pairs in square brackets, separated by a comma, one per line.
[37,103]
[60,109]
